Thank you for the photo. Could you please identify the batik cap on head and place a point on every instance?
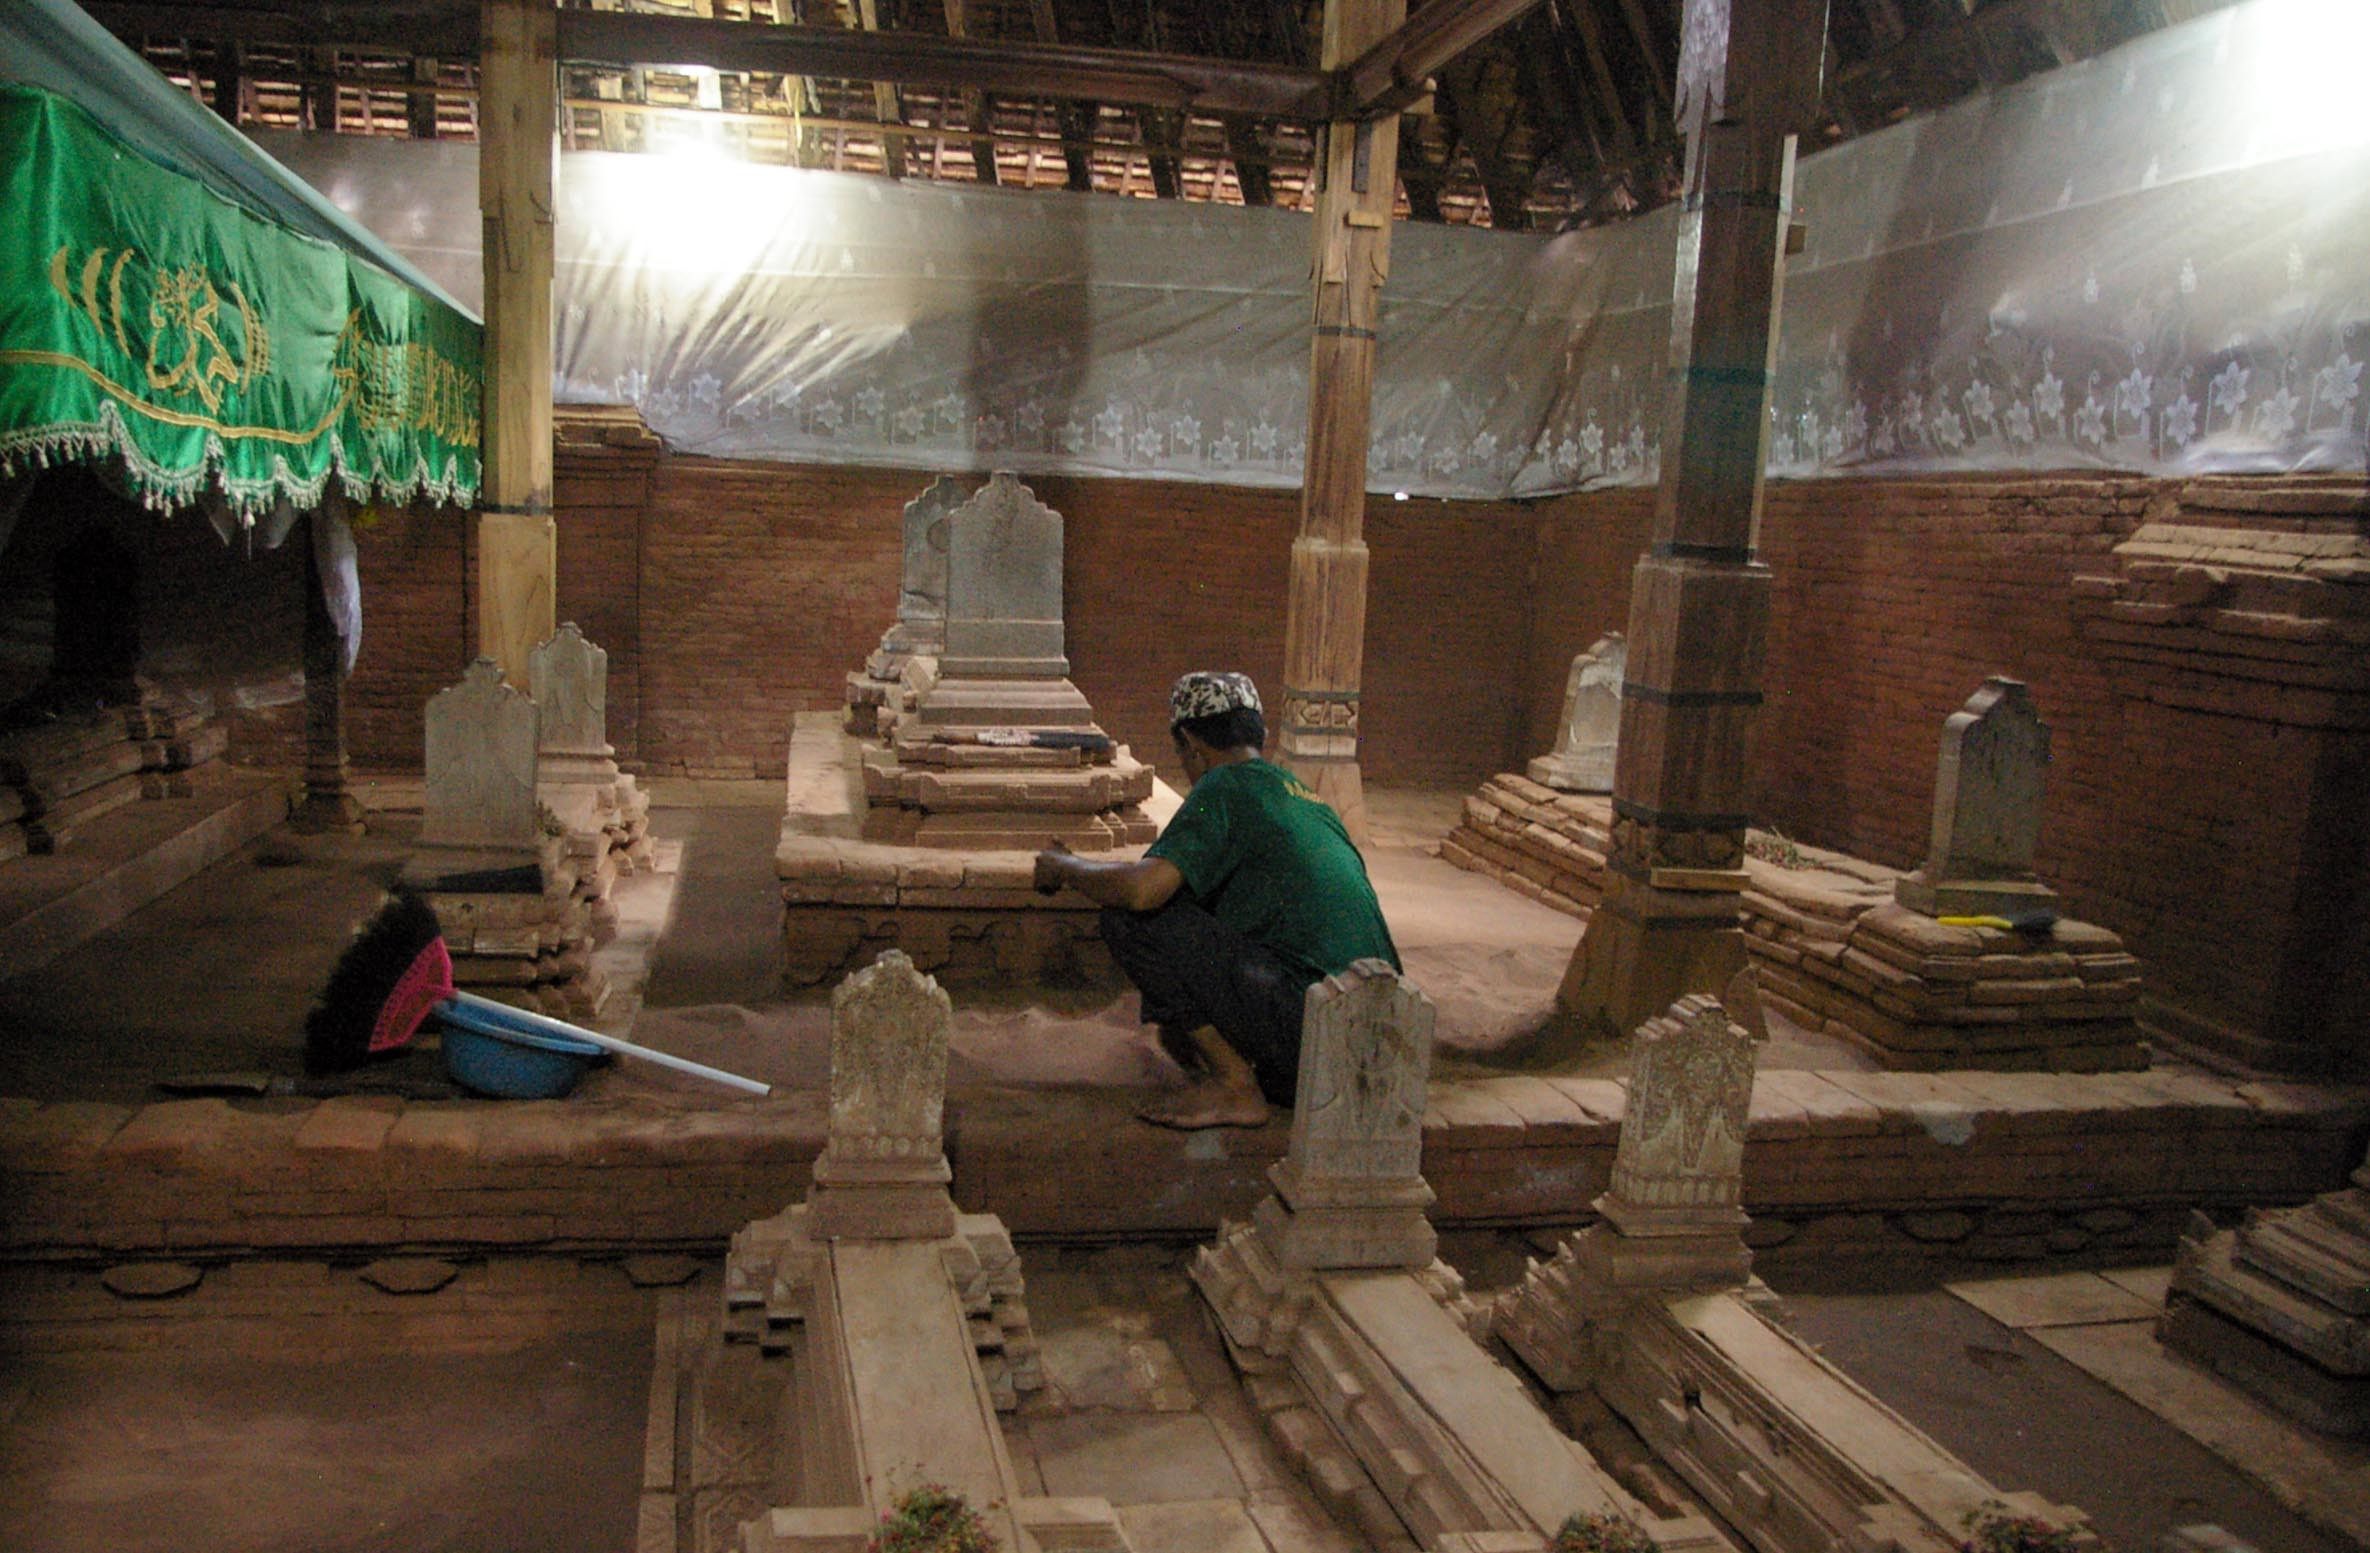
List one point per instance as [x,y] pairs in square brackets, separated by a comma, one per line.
[1208,692]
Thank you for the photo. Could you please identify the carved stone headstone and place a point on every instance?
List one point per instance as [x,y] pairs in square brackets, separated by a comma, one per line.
[481,764]
[921,590]
[1004,586]
[883,1173]
[570,680]
[1679,1166]
[1582,760]
[1987,810]
[1350,1190]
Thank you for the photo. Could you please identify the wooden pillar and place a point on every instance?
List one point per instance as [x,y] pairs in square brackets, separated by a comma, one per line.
[1325,623]
[516,545]
[329,802]
[1699,602]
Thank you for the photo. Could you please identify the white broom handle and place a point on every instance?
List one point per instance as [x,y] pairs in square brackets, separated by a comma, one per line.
[519,1018]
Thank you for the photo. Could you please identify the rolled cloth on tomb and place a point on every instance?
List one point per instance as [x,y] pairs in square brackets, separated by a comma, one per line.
[1208,692]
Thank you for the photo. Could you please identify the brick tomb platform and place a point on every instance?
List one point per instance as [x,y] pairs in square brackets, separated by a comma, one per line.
[1837,955]
[966,917]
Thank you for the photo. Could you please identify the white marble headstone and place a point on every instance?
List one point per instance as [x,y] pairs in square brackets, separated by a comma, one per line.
[481,736]
[921,594]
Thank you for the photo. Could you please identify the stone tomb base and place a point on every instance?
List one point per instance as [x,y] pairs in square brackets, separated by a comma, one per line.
[1835,954]
[962,916]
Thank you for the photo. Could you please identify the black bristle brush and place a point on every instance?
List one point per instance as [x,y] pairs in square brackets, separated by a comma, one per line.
[397,972]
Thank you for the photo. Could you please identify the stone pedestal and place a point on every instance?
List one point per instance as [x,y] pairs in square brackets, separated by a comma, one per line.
[2281,1305]
[896,1328]
[2234,625]
[1359,1344]
[1987,811]
[988,745]
[1589,736]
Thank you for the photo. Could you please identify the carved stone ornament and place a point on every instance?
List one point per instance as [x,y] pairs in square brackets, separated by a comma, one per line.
[1690,1093]
[889,1030]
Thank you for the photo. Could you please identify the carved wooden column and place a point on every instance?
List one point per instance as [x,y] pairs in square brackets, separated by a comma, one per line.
[329,802]
[516,541]
[1699,602]
[1325,626]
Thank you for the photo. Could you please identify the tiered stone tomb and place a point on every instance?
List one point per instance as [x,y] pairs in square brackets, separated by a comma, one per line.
[922,839]
[1590,736]
[1000,750]
[1354,1341]
[920,628]
[2281,1305]
[65,771]
[1962,964]
[494,863]
[1650,1313]
[604,812]
[894,1325]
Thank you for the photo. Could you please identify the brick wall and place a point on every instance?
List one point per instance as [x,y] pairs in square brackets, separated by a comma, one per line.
[418,630]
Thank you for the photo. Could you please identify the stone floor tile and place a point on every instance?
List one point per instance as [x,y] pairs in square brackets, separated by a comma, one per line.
[2149,1283]
[2054,1300]
[1192,1526]
[2323,1479]
[1134,1458]
[1291,1523]
[1104,1366]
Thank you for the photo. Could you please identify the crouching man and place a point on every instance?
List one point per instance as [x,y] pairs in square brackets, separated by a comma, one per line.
[1251,894]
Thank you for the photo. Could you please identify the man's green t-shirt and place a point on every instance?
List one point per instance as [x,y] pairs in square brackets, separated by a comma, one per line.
[1270,859]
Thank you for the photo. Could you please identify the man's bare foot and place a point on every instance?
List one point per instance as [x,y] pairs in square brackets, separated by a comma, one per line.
[1207,1105]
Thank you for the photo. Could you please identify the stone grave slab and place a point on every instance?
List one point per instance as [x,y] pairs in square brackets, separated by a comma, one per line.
[1650,1312]
[890,1328]
[1358,1347]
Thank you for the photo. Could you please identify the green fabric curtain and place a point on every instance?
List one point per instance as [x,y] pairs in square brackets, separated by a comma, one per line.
[143,316]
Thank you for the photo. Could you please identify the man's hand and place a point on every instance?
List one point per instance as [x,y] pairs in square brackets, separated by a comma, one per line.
[1052,867]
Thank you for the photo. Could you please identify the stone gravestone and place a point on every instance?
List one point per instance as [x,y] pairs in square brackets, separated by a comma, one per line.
[1673,1220]
[1987,810]
[480,813]
[1679,1167]
[1350,1190]
[883,1174]
[604,811]
[570,680]
[1582,760]
[1004,586]
[921,593]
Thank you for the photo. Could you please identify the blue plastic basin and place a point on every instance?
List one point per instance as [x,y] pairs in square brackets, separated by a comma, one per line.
[513,1064]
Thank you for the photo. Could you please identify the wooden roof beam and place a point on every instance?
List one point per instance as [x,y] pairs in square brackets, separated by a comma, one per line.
[1397,72]
[1048,70]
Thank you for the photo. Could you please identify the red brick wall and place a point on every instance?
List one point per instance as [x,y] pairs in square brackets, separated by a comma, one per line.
[418,630]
